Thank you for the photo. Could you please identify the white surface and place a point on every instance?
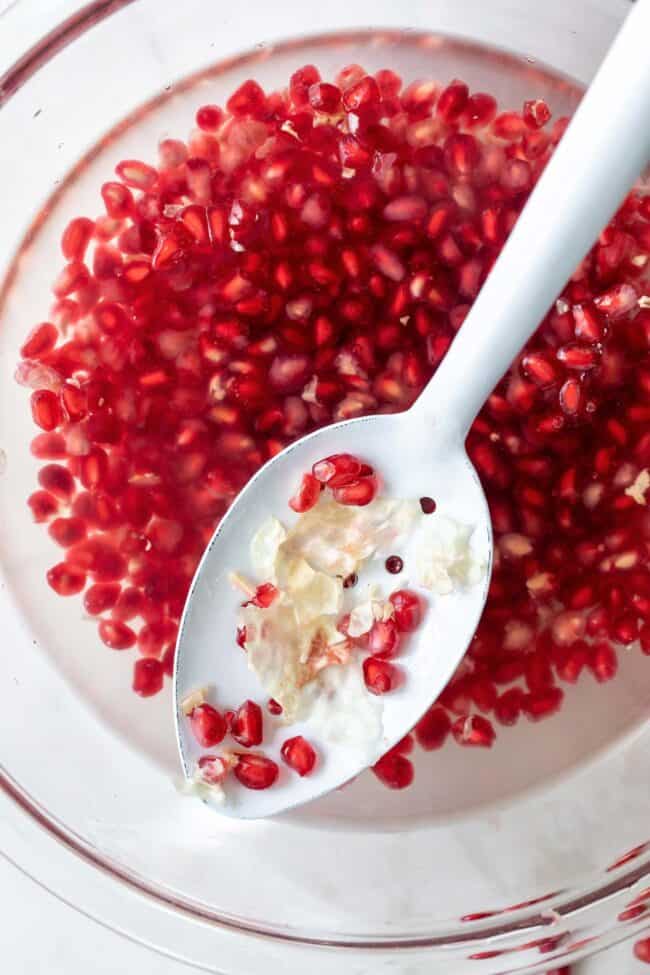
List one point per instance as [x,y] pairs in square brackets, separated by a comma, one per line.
[43,936]
[67,943]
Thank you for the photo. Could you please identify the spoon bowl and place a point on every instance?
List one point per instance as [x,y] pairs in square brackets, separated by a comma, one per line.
[415,458]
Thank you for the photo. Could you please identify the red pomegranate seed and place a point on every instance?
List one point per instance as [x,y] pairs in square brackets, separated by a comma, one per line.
[213,769]
[274,707]
[394,771]
[408,609]
[67,531]
[43,504]
[384,639]
[428,505]
[100,597]
[247,724]
[148,675]
[473,730]
[255,771]
[509,706]
[136,174]
[644,639]
[536,113]
[153,636]
[40,341]
[358,493]
[324,97]
[129,604]
[57,480]
[208,725]
[49,446]
[46,410]
[299,755]
[307,494]
[394,564]
[603,662]
[642,950]
[337,464]
[208,118]
[65,580]
[264,595]
[380,676]
[117,636]
[452,100]
[542,703]
[167,659]
[433,728]
[76,238]
[248,100]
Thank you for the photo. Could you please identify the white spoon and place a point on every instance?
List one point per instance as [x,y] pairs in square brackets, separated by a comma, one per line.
[421,452]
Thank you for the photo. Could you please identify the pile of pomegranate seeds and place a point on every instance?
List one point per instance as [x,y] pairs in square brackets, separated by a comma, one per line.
[307,256]
[254,770]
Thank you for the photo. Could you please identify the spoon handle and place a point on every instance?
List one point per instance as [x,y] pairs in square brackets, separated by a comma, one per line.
[603,151]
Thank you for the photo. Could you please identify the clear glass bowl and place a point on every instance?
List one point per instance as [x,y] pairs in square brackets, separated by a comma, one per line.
[501,861]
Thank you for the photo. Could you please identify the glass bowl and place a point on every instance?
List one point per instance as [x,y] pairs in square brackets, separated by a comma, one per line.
[492,862]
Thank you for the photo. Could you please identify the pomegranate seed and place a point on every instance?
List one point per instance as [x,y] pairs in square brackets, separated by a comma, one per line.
[642,950]
[274,707]
[644,638]
[57,480]
[148,675]
[49,446]
[407,608]
[255,771]
[324,98]
[394,771]
[43,505]
[67,531]
[264,595]
[542,703]
[40,341]
[136,174]
[473,730]
[208,118]
[65,580]
[480,110]
[428,505]
[432,729]
[384,639]
[358,493]
[212,769]
[46,410]
[247,726]
[603,662]
[76,238]
[100,597]
[452,101]
[208,725]
[394,564]
[536,113]
[380,676]
[299,755]
[117,636]
[307,494]
[153,636]
[509,706]
[338,464]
